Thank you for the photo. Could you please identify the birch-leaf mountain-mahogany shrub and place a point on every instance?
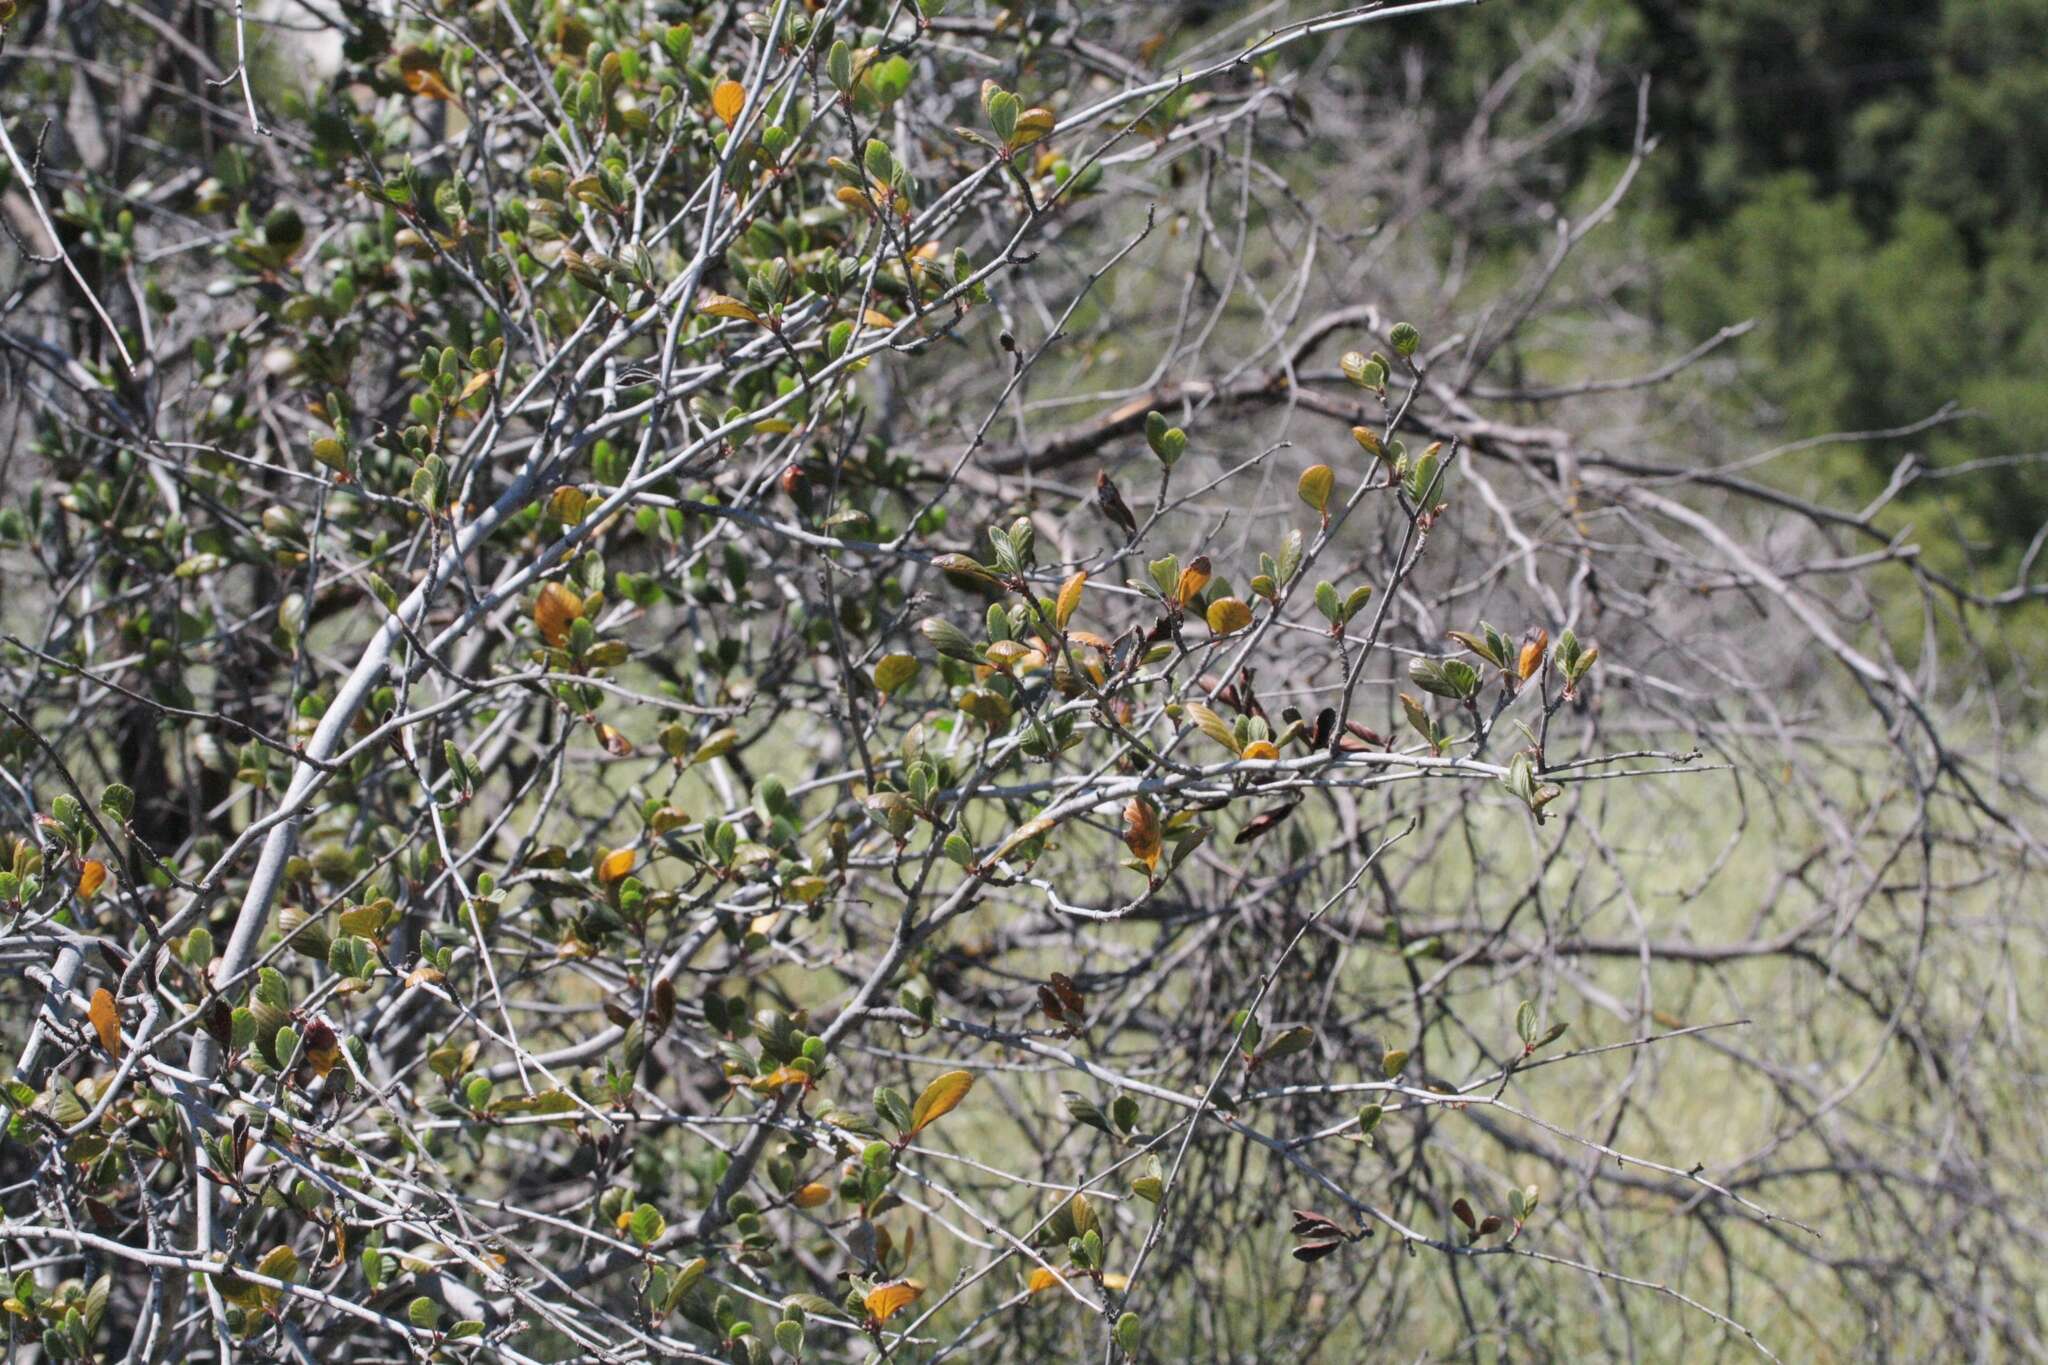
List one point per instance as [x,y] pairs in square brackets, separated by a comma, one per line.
[827,681]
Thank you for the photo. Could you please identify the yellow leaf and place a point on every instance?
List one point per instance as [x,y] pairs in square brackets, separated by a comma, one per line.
[884,1303]
[1213,725]
[615,866]
[1259,748]
[1227,616]
[726,306]
[477,383]
[1033,125]
[727,100]
[872,318]
[780,1077]
[106,1021]
[811,1195]
[1069,599]
[1317,482]
[91,876]
[894,671]
[939,1099]
[1045,1277]
[554,610]
[1141,831]
[279,1263]
[1193,579]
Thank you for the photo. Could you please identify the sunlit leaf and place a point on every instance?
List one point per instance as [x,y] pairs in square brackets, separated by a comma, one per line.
[1069,599]
[106,1020]
[554,610]
[727,99]
[724,306]
[1213,725]
[1227,616]
[886,1301]
[939,1099]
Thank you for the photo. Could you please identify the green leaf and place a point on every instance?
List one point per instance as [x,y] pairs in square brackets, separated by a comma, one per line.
[877,161]
[1128,1330]
[1168,442]
[1289,1041]
[949,640]
[1328,603]
[1084,1110]
[646,1224]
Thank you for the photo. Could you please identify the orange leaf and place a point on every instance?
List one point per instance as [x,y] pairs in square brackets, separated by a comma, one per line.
[615,866]
[939,1099]
[90,876]
[1141,831]
[1069,599]
[1042,1278]
[778,1078]
[1260,748]
[556,608]
[1533,649]
[811,1195]
[428,82]
[727,100]
[1193,579]
[884,1303]
[106,1021]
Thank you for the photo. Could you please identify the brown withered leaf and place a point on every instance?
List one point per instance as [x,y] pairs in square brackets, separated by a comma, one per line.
[1141,832]
[1069,994]
[1264,822]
